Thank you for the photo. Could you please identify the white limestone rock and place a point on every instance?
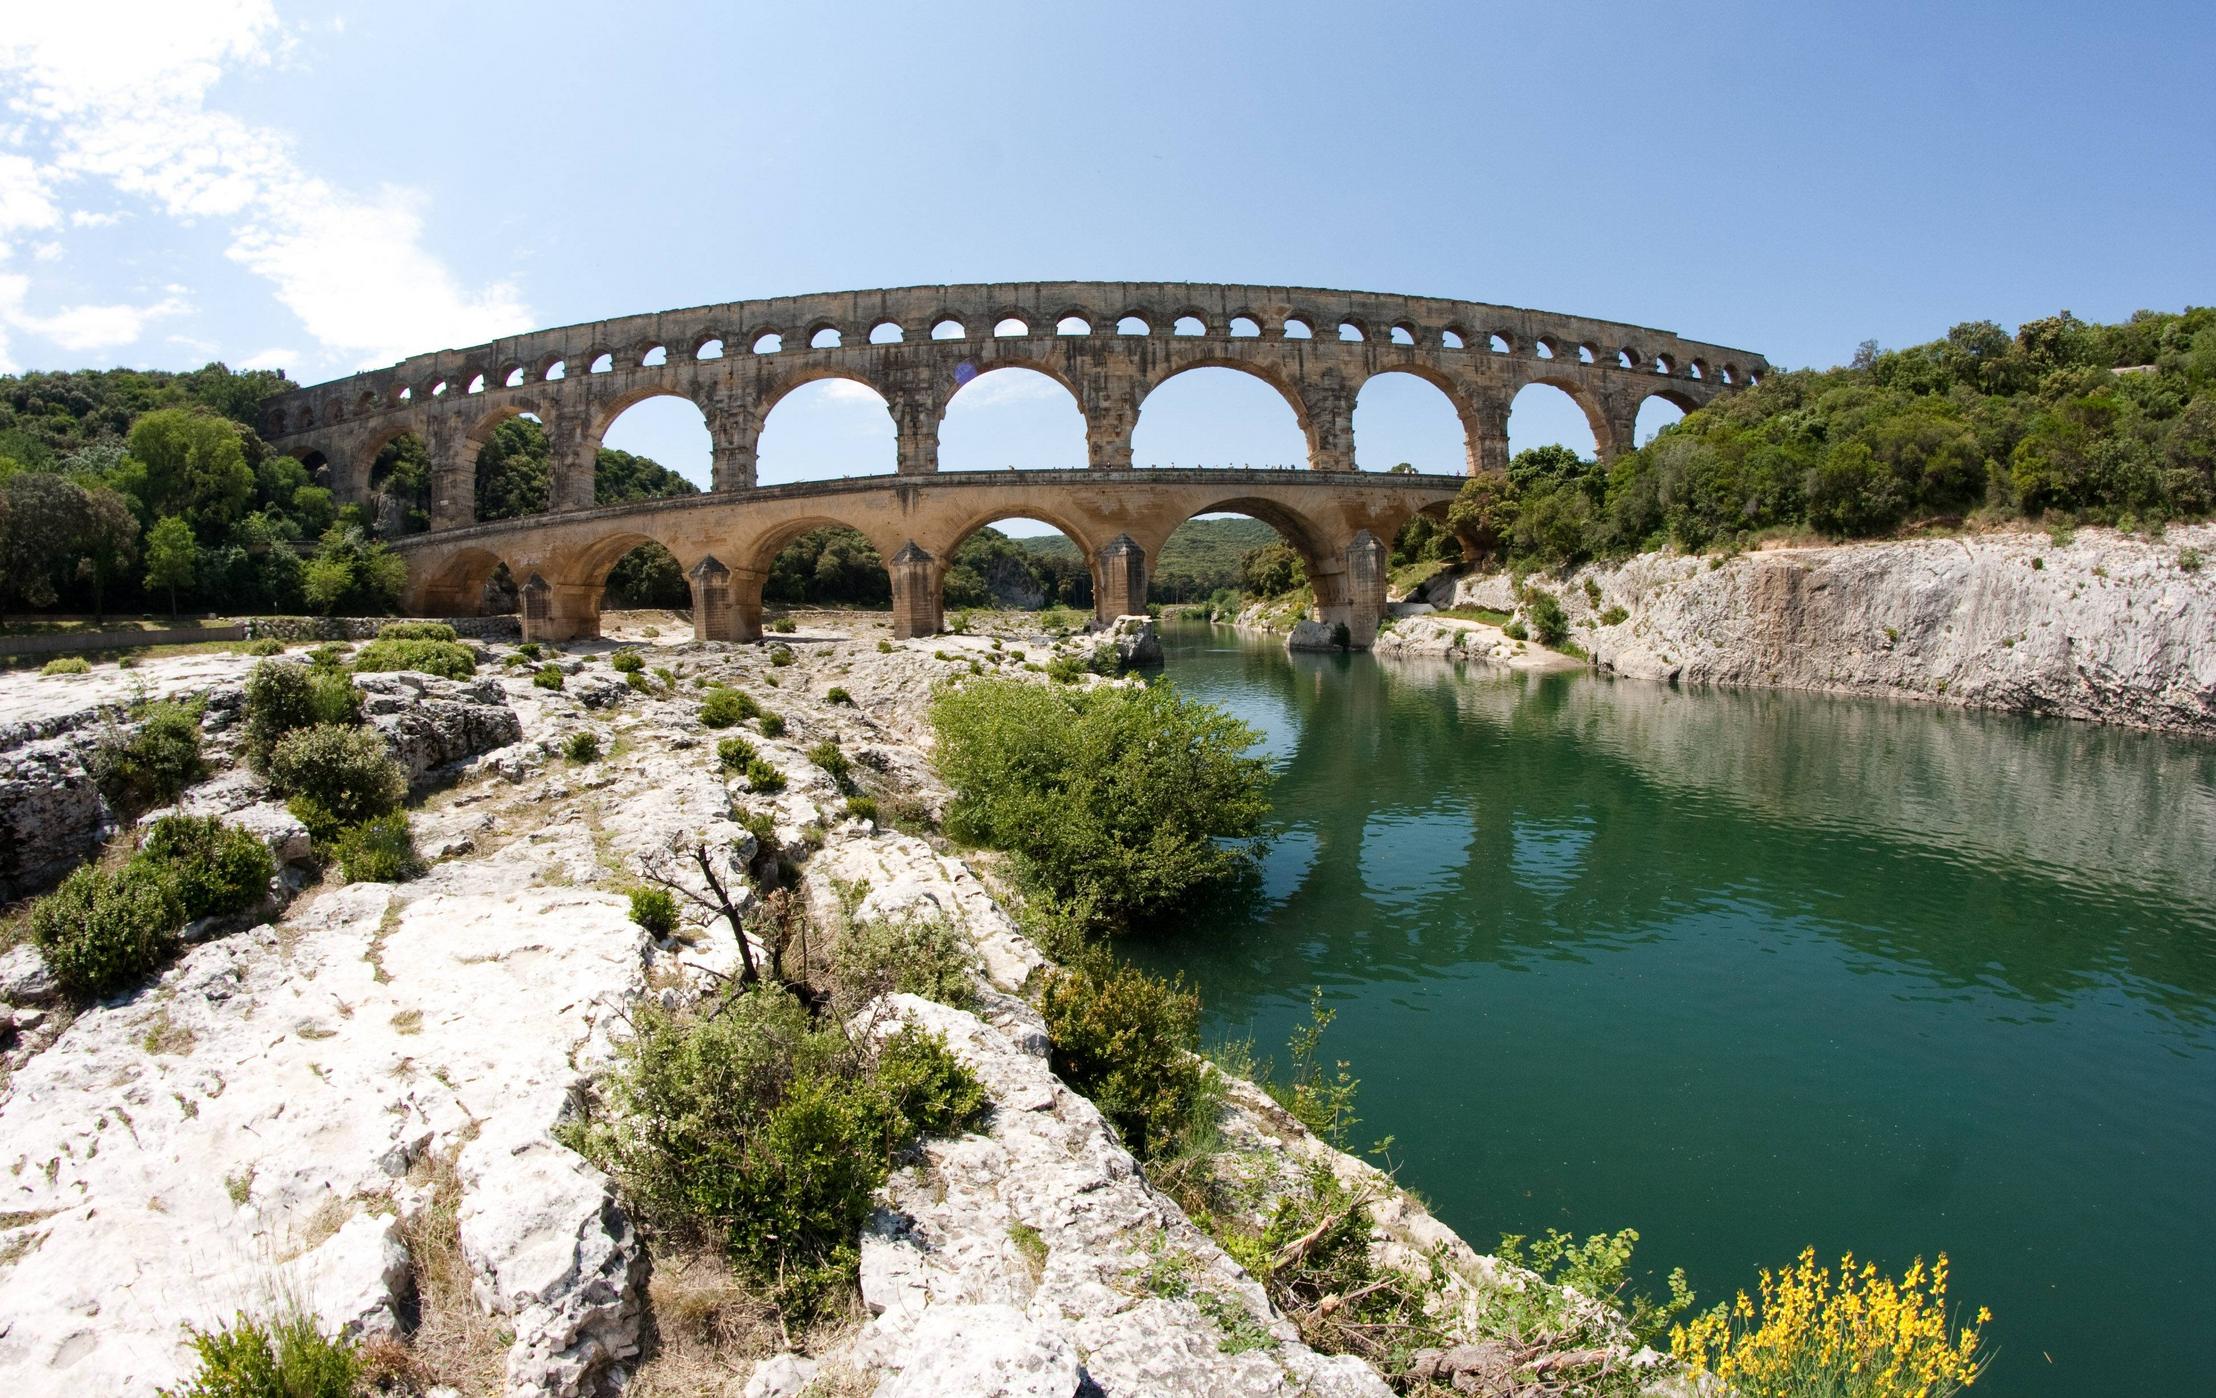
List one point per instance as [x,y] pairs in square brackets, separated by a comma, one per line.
[51,814]
[907,877]
[781,1376]
[984,1351]
[1312,635]
[25,978]
[432,723]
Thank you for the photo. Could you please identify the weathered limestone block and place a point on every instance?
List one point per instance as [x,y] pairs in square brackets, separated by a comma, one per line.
[1128,641]
[432,722]
[51,814]
[987,1351]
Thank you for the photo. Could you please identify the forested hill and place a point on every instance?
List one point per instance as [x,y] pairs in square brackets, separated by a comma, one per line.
[1201,557]
[2062,422]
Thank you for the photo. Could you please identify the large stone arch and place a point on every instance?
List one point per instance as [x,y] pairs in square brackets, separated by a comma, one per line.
[455,584]
[605,412]
[1269,372]
[1476,426]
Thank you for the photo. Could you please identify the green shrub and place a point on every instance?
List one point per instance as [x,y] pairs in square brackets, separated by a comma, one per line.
[100,930]
[764,778]
[1614,616]
[529,650]
[827,755]
[2189,560]
[773,725]
[1124,800]
[781,656]
[215,868]
[628,662]
[1592,592]
[783,626]
[862,808]
[654,909]
[379,850]
[725,707]
[336,777]
[761,1135]
[416,631]
[547,676]
[837,694]
[283,696]
[582,746]
[920,955]
[1066,669]
[1549,626]
[884,647]
[267,645]
[283,1358]
[638,682]
[1127,1040]
[66,665]
[151,765]
[1515,630]
[667,676]
[732,754]
[447,659]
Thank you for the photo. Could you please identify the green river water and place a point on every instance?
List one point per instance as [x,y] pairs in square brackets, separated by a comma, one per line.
[1748,971]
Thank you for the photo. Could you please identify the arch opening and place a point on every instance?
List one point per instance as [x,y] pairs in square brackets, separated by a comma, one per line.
[514,468]
[1017,563]
[1352,332]
[1245,328]
[513,378]
[1133,325]
[822,563]
[1073,325]
[825,429]
[654,358]
[601,364]
[1012,418]
[473,582]
[656,448]
[1010,326]
[646,577]
[1451,338]
[1235,550]
[1401,335]
[400,487]
[1188,325]
[556,371]
[887,332]
[769,342]
[1405,421]
[477,384]
[1497,343]
[1655,414]
[711,348]
[825,337]
[1217,416]
[949,330]
[1546,415]
[1298,328]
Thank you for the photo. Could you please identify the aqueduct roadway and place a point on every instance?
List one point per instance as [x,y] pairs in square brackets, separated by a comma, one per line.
[1108,343]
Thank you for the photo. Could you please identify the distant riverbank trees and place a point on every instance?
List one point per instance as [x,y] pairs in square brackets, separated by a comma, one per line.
[2065,421]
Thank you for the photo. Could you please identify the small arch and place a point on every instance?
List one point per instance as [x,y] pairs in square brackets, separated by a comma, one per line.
[1663,364]
[949,329]
[654,358]
[476,384]
[1452,338]
[602,363]
[1073,325]
[1498,342]
[403,393]
[512,376]
[887,332]
[1245,328]
[1010,326]
[1352,332]
[1543,347]
[710,348]
[1729,374]
[1133,325]
[1402,333]
[1697,369]
[1188,325]
[769,342]
[1754,378]
[1299,328]
[438,389]
[1587,354]
[556,370]
[824,337]
[1627,358]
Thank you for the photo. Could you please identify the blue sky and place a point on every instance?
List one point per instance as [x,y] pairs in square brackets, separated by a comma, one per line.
[328,187]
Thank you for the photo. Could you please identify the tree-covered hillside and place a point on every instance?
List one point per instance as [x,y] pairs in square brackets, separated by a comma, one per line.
[2063,421]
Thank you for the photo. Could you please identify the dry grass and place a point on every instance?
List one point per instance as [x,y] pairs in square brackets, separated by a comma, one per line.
[708,1329]
[455,1342]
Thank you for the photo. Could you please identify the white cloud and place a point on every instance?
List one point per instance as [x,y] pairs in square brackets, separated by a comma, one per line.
[848,391]
[47,252]
[269,359]
[120,90]
[87,327]
[1012,385]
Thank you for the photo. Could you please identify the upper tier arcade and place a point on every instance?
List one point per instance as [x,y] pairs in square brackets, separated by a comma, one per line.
[1109,343]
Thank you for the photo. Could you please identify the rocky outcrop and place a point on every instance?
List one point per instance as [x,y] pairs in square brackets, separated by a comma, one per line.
[1127,642]
[2106,626]
[51,814]
[1452,638]
[432,722]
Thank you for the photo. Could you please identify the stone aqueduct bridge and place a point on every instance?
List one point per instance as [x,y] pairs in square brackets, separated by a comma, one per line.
[1109,344]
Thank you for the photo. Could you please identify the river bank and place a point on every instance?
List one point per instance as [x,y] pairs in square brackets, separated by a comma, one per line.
[355,1102]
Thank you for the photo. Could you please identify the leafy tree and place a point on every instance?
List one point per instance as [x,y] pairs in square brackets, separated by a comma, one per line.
[192,465]
[46,516]
[515,474]
[108,545]
[354,575]
[1484,512]
[1272,571]
[170,557]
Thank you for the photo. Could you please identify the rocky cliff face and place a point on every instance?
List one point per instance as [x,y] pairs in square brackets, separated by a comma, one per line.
[2111,627]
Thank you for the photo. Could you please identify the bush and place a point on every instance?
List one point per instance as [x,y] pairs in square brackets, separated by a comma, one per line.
[336,777]
[764,1136]
[783,626]
[283,1358]
[919,955]
[268,645]
[1127,1040]
[655,910]
[725,707]
[773,725]
[447,659]
[1614,616]
[150,766]
[827,755]
[1515,630]
[215,868]
[547,676]
[781,656]
[582,747]
[732,754]
[529,650]
[1066,669]
[837,694]
[416,631]
[66,665]
[638,682]
[884,647]
[284,696]
[2189,560]
[1124,800]
[100,930]
[628,662]
[764,778]
[381,850]
[862,808]
[1549,626]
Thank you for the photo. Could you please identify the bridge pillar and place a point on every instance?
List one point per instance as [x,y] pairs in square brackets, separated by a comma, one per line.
[723,607]
[453,477]
[1330,432]
[573,464]
[1119,579]
[1622,418]
[1356,595]
[1108,438]
[557,611]
[917,608]
[1488,438]
[735,434]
